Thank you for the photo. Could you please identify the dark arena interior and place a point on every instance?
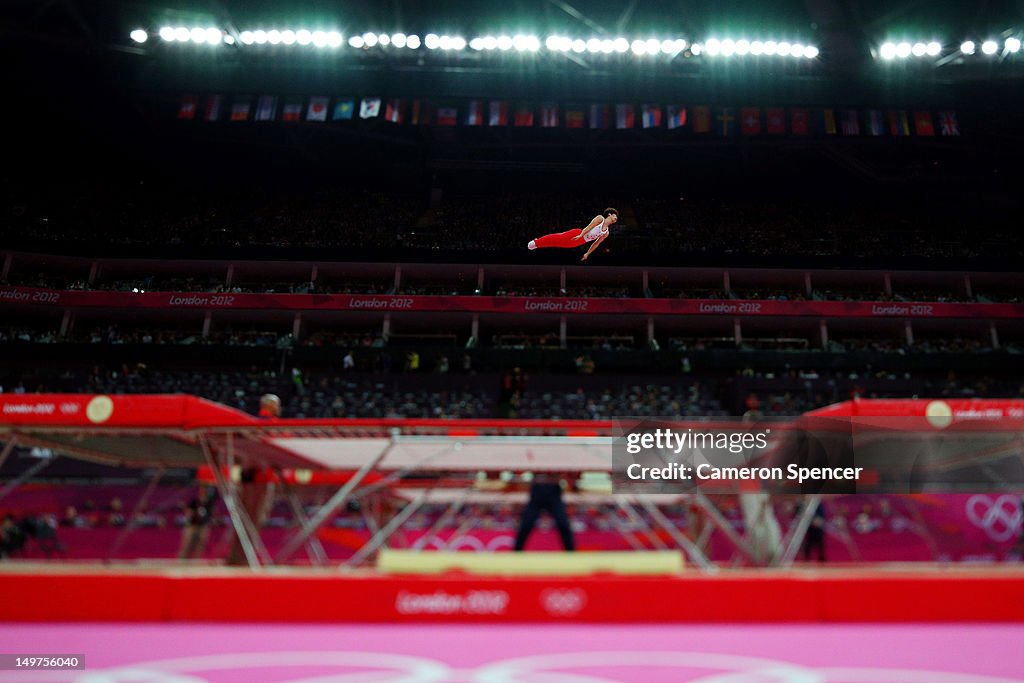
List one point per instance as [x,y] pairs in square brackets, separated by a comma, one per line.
[579,341]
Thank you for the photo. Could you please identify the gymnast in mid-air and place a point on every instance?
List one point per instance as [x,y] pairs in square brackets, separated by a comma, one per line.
[595,233]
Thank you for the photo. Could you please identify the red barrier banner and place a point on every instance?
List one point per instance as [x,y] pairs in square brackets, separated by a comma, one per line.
[515,305]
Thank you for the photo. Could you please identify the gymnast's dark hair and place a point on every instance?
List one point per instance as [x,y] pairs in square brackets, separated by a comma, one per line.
[609,211]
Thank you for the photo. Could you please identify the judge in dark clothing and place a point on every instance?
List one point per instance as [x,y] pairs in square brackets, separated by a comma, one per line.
[198,514]
[814,541]
[545,496]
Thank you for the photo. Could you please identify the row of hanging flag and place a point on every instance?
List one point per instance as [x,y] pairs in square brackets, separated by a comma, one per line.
[723,121]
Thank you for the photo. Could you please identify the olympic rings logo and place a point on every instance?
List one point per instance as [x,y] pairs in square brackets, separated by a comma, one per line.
[1000,518]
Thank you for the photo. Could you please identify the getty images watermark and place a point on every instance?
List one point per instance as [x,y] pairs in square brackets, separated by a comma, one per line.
[806,455]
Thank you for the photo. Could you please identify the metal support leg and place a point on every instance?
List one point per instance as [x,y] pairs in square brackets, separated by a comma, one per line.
[8,449]
[443,520]
[723,524]
[227,492]
[799,532]
[384,534]
[139,507]
[24,476]
[686,544]
[636,519]
[324,513]
[252,525]
[316,549]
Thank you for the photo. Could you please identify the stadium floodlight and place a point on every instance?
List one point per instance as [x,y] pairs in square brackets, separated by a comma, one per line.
[166,33]
[638,47]
[229,39]
[933,48]
[458,43]
[742,47]
[756,47]
[579,46]
[783,49]
[770,47]
[713,47]
[303,36]
[491,42]
[399,40]
[653,45]
[621,45]
[811,52]
[274,37]
[680,44]
[607,46]
[1012,44]
[413,42]
[259,36]
[334,39]
[551,43]
[668,47]
[369,39]
[384,39]
[887,51]
[797,50]
[288,36]
[444,42]
[533,43]
[967,47]
[903,50]
[432,41]
[919,49]
[989,47]
[356,42]
[139,36]
[478,44]
[728,47]
[214,36]
[521,42]
[181,34]
[319,38]
[696,49]
[504,43]
[593,45]
[198,35]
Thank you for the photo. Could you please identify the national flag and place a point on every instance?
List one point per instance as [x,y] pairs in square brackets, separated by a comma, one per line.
[851,122]
[625,116]
[212,112]
[775,120]
[725,122]
[549,116]
[675,116]
[524,116]
[344,109]
[266,108]
[825,122]
[447,116]
[899,125]
[292,111]
[393,110]
[923,123]
[948,124]
[750,121]
[475,113]
[317,110]
[599,116]
[799,122]
[574,117]
[498,113]
[875,124]
[702,119]
[369,108]
[240,111]
[421,113]
[650,115]
[187,108]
